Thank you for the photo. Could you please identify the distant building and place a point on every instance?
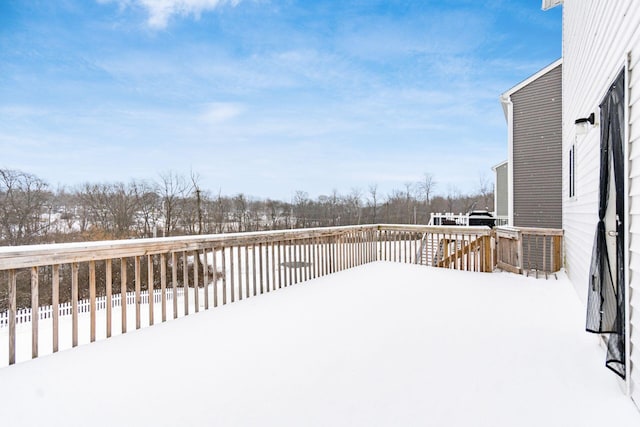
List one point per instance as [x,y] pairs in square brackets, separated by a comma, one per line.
[501,189]
[533,110]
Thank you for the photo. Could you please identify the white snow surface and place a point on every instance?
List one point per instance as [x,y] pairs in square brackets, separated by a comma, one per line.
[378,345]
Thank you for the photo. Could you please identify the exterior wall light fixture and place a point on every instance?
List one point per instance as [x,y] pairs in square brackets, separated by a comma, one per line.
[584,124]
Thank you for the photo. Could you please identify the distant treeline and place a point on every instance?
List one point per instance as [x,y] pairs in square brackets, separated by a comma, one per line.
[175,204]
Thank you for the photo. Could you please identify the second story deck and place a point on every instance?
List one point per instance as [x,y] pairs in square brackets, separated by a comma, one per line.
[383,344]
[61,296]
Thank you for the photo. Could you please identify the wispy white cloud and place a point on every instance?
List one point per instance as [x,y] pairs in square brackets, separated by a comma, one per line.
[220,112]
[384,38]
[277,96]
[161,11]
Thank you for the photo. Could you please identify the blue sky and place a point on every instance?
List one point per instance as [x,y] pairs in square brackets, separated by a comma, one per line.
[265,97]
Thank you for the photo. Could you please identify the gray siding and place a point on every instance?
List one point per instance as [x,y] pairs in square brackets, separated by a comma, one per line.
[537,152]
[502,190]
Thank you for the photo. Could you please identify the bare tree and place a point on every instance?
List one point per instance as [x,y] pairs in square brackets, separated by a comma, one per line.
[64,202]
[273,213]
[174,188]
[301,202]
[149,207]
[240,212]
[22,198]
[395,207]
[485,190]
[410,205]
[222,207]
[453,197]
[354,206]
[112,208]
[123,208]
[94,199]
[426,187]
[373,202]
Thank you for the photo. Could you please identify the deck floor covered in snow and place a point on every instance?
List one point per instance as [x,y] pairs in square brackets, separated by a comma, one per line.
[382,344]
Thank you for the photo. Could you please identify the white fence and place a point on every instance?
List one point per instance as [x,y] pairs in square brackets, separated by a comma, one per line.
[65,309]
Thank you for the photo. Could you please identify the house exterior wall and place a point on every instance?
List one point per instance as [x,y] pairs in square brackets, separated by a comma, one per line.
[501,192]
[537,152]
[601,38]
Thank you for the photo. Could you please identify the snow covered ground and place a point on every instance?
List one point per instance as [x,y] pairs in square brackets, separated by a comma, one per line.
[381,344]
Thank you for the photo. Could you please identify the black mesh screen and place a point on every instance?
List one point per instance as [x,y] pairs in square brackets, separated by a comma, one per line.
[606,295]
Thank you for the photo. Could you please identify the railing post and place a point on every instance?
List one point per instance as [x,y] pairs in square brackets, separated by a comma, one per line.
[279,250]
[138,302]
[123,294]
[109,293]
[268,281]
[273,265]
[12,317]
[494,252]
[239,255]
[487,253]
[150,288]
[520,252]
[224,275]
[215,276]
[74,304]
[557,253]
[55,302]
[232,283]
[34,312]
[260,268]
[92,300]
[174,282]
[185,282]
[247,276]
[163,285]
[254,269]
[205,278]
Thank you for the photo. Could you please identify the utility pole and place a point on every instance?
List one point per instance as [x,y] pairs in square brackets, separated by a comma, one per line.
[198,201]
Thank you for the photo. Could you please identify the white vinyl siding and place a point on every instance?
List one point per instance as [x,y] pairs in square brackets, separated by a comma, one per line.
[596,38]
[634,217]
[572,171]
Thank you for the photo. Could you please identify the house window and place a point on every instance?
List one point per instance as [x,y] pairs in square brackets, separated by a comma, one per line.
[572,171]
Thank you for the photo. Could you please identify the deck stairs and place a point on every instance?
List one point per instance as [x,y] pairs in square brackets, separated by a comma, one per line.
[432,249]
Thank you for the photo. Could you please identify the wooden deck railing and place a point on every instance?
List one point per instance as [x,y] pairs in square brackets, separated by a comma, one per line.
[459,248]
[209,270]
[529,250]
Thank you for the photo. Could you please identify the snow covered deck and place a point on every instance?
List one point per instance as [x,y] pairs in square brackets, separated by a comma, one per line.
[380,344]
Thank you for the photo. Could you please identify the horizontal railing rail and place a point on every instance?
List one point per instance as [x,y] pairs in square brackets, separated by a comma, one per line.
[76,288]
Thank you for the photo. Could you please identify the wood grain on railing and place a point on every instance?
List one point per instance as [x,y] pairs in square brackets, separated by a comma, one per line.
[212,270]
[530,250]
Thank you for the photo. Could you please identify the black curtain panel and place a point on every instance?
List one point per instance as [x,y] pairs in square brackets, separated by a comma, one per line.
[606,295]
